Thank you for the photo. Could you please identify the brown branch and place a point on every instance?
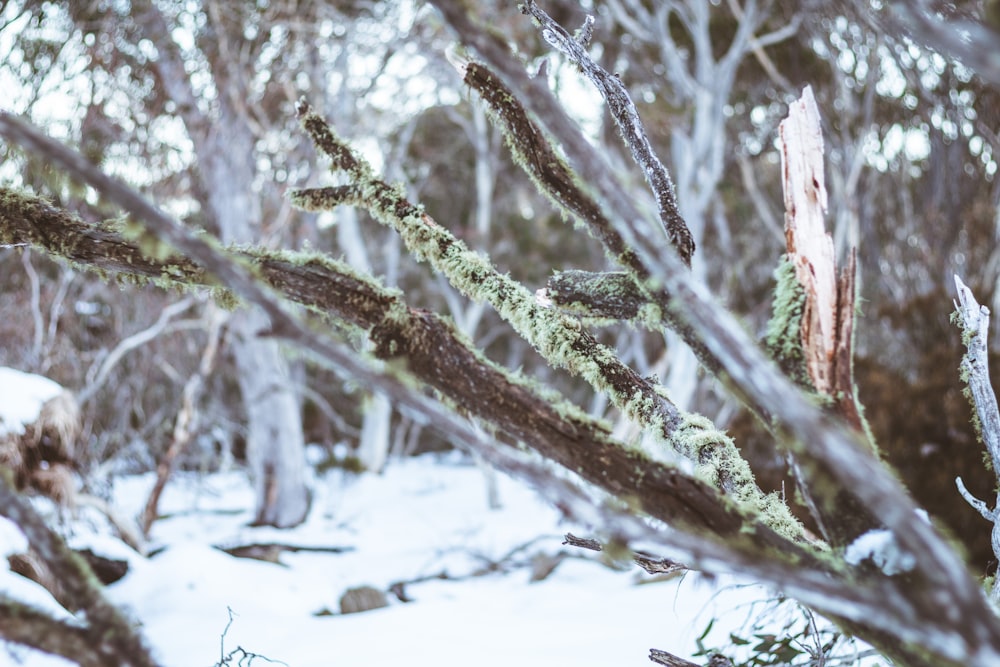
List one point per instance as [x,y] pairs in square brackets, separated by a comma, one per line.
[550,172]
[830,452]
[434,354]
[712,533]
[108,635]
[626,117]
[611,296]
[670,660]
[649,563]
[543,164]
[561,340]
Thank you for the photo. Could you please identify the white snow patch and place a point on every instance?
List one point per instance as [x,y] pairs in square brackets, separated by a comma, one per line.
[880,546]
[421,518]
[21,398]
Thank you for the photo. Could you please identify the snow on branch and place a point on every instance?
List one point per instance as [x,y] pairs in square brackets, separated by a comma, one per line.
[974,321]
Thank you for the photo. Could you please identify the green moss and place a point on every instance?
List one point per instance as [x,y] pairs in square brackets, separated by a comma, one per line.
[150,245]
[559,338]
[719,463]
[964,374]
[784,329]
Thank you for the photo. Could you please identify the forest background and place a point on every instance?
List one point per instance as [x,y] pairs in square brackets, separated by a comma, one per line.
[195,105]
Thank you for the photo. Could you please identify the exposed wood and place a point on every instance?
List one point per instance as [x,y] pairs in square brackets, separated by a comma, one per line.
[809,246]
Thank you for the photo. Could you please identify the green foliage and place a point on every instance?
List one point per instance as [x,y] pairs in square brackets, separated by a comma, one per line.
[799,640]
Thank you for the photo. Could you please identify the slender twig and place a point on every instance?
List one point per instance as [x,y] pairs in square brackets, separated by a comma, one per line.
[629,124]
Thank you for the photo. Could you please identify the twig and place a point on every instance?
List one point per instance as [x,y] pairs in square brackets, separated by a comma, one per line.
[36,309]
[661,657]
[186,422]
[130,343]
[649,563]
[245,657]
[629,124]
[668,659]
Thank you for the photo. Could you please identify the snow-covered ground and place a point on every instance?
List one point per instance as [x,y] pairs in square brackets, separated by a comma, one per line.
[423,517]
[462,574]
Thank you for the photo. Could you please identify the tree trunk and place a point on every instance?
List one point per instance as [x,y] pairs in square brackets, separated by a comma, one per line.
[224,146]
[275,449]
[275,442]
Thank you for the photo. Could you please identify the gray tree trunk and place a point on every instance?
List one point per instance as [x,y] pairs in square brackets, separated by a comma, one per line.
[275,448]
[275,441]
[224,146]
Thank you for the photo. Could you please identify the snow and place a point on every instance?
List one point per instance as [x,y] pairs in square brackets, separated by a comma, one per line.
[880,547]
[423,517]
[21,398]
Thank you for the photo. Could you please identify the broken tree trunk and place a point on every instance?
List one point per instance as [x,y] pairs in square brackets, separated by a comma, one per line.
[827,323]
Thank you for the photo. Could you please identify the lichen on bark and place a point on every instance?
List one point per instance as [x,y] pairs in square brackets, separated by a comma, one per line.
[559,338]
[784,329]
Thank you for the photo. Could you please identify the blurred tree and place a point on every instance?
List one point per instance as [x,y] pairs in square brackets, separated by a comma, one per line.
[192,102]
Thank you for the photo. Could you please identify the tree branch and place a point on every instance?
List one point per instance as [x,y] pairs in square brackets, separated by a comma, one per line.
[831,453]
[108,635]
[435,354]
[974,321]
[558,338]
[629,124]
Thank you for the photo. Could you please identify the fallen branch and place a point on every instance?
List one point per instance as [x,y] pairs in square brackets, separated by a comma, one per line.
[649,563]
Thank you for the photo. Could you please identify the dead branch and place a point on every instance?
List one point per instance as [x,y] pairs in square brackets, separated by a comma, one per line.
[974,321]
[629,125]
[827,324]
[649,563]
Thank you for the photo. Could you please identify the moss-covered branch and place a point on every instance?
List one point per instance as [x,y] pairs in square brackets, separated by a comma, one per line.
[560,339]
[629,125]
[832,454]
[435,354]
[600,298]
